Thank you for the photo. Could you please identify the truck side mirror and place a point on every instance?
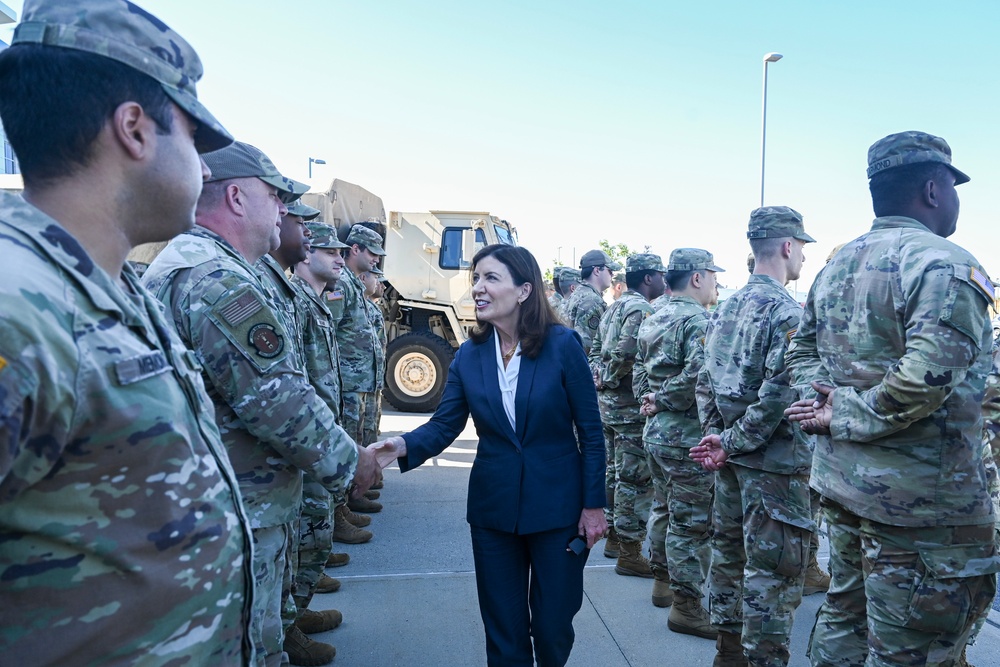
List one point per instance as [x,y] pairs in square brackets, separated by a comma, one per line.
[468,246]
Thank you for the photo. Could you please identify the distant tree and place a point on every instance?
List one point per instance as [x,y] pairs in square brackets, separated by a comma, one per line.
[618,252]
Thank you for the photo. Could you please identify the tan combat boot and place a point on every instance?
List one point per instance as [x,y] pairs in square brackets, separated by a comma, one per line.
[310,622]
[327,584]
[371,494]
[302,650]
[345,531]
[631,562]
[663,595]
[612,547]
[729,651]
[817,581]
[688,617]
[338,560]
[359,520]
[364,505]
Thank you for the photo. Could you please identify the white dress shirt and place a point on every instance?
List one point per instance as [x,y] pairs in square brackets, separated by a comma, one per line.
[508,378]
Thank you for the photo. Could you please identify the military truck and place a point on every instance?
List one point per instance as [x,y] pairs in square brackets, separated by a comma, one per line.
[428,303]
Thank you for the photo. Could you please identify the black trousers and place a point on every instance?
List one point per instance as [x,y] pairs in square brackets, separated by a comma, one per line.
[530,588]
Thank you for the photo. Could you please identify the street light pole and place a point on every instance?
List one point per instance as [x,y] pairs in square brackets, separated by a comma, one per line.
[313,161]
[768,58]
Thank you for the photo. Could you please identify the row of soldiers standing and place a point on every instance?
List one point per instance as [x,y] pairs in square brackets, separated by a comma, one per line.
[700,413]
[306,304]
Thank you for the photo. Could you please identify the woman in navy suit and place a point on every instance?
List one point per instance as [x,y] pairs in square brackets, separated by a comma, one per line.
[536,483]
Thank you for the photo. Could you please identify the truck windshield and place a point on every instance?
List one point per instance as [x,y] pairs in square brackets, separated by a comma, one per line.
[451,256]
[503,235]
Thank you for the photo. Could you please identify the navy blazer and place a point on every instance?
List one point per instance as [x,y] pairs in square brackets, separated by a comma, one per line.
[538,478]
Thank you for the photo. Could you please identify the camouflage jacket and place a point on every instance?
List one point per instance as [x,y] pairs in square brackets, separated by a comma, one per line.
[991,430]
[378,327]
[583,313]
[744,387]
[356,338]
[115,489]
[319,345]
[898,322]
[613,355]
[670,356]
[555,300]
[289,302]
[272,421]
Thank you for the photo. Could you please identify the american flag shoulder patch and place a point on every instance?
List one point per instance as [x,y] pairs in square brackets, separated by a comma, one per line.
[241,308]
[334,295]
[979,278]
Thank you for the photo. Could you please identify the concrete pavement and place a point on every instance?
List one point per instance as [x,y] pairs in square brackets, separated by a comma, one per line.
[409,595]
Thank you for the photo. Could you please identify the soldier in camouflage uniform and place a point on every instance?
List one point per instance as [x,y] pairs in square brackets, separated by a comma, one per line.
[272,422]
[896,340]
[122,536]
[618,285]
[322,263]
[570,281]
[628,484]
[373,410]
[357,340]
[585,308]
[762,514]
[666,370]
[564,279]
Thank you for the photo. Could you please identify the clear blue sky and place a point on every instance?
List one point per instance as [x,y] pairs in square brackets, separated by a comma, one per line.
[638,122]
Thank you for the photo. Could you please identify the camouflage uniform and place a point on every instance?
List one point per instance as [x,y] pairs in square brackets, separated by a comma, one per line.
[667,363]
[356,339]
[372,408]
[583,313]
[612,356]
[322,364]
[762,514]
[115,489]
[897,322]
[272,422]
[288,301]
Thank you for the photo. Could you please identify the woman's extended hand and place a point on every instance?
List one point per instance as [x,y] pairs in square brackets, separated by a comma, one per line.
[593,525]
[388,450]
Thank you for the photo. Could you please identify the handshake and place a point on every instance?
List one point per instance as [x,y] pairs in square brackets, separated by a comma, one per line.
[388,450]
[371,460]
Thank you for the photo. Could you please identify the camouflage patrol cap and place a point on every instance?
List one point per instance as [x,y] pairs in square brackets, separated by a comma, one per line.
[323,235]
[771,222]
[911,147]
[377,272]
[618,277]
[645,261]
[121,31]
[692,259]
[598,258]
[303,211]
[240,160]
[366,237]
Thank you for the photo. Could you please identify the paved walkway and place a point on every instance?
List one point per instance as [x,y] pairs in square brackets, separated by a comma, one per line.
[409,595]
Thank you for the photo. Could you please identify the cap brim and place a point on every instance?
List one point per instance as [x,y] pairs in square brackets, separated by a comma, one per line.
[290,190]
[375,250]
[717,269]
[614,266]
[804,237]
[960,176]
[210,135]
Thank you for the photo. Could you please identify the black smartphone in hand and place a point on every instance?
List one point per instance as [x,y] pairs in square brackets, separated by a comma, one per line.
[577,544]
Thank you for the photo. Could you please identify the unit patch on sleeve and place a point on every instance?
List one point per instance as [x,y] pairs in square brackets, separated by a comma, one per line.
[266,340]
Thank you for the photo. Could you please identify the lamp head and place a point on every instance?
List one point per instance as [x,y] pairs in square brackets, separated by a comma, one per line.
[772,57]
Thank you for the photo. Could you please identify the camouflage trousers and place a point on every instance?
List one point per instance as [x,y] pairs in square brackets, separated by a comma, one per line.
[760,551]
[981,621]
[315,542]
[372,417]
[680,521]
[633,489]
[272,582]
[353,419]
[901,595]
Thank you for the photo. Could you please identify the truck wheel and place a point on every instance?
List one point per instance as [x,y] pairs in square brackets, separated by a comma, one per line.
[416,370]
